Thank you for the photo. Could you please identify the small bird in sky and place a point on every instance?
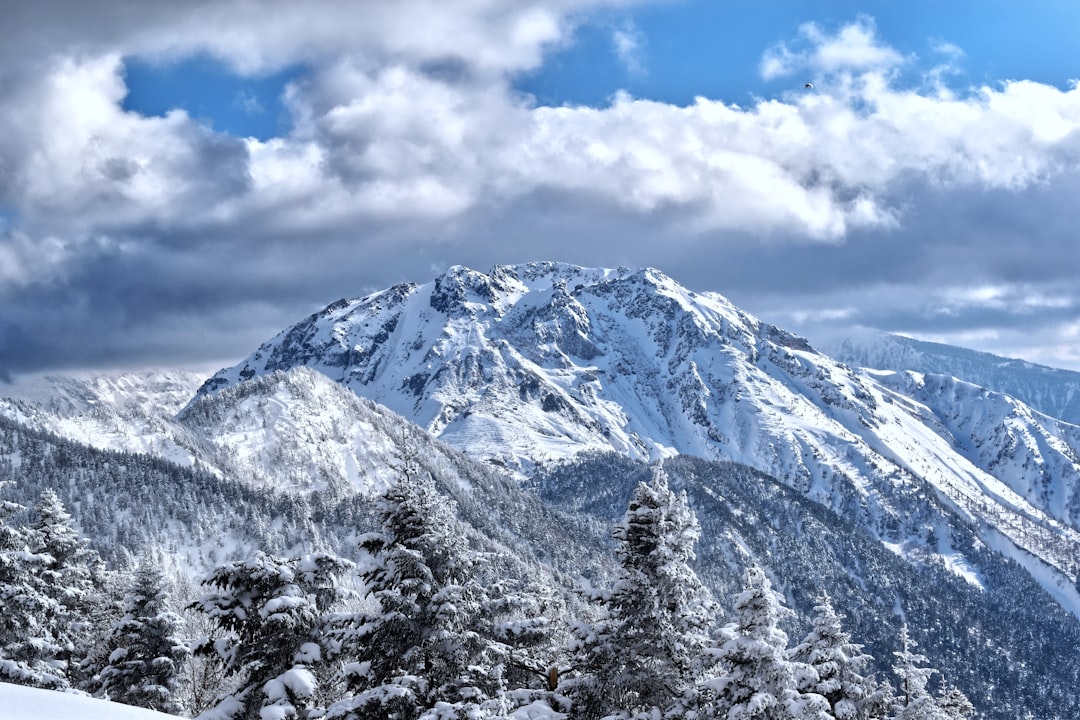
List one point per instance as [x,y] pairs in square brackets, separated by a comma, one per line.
[809,86]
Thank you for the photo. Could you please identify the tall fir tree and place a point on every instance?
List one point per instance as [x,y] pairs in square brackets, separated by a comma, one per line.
[432,645]
[146,654]
[758,682]
[50,584]
[914,700]
[269,613]
[73,577]
[646,654]
[838,666]
[28,644]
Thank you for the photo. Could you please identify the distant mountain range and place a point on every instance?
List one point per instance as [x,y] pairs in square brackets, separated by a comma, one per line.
[1052,391]
[552,531]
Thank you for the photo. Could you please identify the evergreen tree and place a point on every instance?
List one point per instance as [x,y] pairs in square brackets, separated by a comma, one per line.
[431,647]
[520,642]
[838,666]
[269,612]
[28,646]
[48,586]
[72,578]
[646,654]
[914,701]
[758,681]
[146,654]
[955,704]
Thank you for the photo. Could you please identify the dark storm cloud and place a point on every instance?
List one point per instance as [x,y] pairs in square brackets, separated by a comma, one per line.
[183,297]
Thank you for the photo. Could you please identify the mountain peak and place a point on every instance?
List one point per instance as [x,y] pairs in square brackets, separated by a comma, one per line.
[529,364]
[559,356]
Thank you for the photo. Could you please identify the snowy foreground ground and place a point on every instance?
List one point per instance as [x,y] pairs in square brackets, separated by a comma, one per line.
[23,703]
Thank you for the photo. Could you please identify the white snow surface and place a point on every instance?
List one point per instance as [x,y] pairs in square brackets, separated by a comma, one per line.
[24,703]
[297,430]
[130,411]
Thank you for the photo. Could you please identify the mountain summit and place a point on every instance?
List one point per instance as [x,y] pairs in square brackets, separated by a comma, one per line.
[529,364]
[535,362]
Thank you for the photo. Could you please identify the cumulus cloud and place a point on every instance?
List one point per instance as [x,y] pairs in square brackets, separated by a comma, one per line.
[854,48]
[410,147]
[393,139]
[76,162]
[490,36]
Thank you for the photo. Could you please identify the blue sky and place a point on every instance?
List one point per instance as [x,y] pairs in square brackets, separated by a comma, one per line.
[179,181]
[673,52]
[211,91]
[714,48]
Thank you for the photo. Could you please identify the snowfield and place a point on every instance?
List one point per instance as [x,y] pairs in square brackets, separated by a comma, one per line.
[25,703]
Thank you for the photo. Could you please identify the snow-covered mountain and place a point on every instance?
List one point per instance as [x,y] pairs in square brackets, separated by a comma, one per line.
[531,363]
[292,431]
[130,411]
[1052,391]
[292,437]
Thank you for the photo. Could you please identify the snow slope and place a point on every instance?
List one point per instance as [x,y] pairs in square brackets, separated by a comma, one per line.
[294,431]
[1052,391]
[24,703]
[125,411]
[531,363]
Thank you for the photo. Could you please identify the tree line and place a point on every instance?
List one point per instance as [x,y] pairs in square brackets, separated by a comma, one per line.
[418,628]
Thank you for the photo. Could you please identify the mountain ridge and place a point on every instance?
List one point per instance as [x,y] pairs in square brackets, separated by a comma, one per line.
[559,532]
[1053,391]
[941,548]
[528,364]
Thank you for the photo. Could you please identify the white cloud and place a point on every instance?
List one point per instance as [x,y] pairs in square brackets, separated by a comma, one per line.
[76,161]
[1011,298]
[628,42]
[385,149]
[854,48]
[946,48]
[373,143]
[490,36]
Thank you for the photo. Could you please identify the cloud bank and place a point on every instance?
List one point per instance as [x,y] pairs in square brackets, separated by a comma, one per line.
[132,239]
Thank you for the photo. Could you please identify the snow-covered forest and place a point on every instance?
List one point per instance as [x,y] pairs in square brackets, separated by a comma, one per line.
[547,556]
[419,627]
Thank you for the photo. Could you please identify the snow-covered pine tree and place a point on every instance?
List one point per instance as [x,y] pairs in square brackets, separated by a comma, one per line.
[758,682]
[27,643]
[954,704]
[427,648]
[515,620]
[914,701]
[146,653]
[75,578]
[52,596]
[269,613]
[838,666]
[646,654]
